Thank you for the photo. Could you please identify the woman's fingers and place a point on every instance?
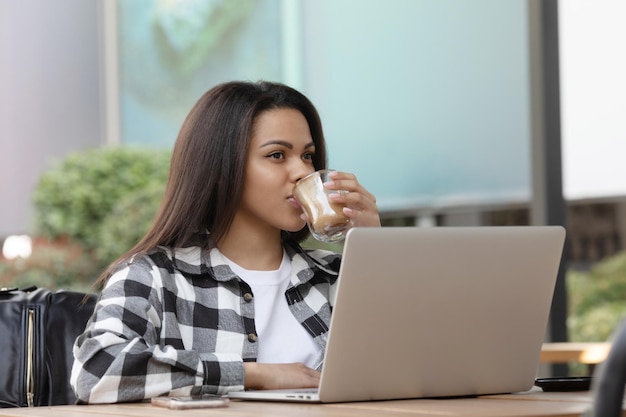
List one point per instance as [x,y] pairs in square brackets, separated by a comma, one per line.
[360,204]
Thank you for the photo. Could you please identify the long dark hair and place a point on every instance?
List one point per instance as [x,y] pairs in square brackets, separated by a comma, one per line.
[208,165]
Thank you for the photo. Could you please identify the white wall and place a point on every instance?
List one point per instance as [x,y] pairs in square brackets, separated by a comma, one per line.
[593,97]
[49,95]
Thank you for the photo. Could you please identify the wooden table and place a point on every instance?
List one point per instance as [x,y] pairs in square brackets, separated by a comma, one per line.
[566,352]
[588,353]
[529,404]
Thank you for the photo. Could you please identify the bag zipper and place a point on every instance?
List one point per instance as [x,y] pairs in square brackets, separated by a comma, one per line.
[30,359]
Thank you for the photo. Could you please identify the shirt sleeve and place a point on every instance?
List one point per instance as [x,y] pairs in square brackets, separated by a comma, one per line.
[122,356]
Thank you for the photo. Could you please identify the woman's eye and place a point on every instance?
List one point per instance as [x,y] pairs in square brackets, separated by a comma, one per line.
[275,155]
[308,156]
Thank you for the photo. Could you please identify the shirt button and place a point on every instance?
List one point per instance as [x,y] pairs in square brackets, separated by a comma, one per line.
[247,297]
[251,338]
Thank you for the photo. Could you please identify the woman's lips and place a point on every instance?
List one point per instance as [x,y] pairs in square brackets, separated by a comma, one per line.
[294,202]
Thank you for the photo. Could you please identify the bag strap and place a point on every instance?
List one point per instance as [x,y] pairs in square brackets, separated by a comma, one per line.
[30,288]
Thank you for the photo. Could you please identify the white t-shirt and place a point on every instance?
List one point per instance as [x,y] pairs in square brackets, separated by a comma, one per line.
[281,338]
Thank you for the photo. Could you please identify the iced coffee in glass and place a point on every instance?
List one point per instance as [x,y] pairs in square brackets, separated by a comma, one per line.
[326,220]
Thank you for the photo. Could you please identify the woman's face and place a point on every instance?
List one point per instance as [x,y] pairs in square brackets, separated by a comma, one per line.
[281,152]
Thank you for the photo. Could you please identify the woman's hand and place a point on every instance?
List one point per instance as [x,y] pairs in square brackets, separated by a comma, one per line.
[279,376]
[360,204]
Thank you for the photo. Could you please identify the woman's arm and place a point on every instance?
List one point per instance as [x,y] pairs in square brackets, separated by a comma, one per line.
[121,356]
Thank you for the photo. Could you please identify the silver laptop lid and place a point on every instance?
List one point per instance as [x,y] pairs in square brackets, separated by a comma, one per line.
[445,311]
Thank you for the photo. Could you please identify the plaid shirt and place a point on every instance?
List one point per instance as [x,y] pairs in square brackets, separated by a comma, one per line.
[181,322]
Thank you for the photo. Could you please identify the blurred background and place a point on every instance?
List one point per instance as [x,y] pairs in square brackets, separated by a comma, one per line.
[451,112]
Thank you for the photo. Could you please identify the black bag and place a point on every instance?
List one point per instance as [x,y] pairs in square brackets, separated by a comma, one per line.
[37,331]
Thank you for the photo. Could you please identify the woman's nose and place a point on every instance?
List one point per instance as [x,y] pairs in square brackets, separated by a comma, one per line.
[302,171]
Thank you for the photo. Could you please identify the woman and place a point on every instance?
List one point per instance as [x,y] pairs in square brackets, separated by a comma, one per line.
[218,295]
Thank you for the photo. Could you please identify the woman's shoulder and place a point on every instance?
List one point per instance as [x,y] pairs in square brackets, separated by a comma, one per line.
[142,268]
[321,260]
[323,256]
[157,257]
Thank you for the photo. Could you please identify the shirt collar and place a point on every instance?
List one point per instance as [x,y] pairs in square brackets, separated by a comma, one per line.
[201,256]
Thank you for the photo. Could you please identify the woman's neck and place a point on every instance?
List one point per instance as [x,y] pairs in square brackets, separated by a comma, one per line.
[252,248]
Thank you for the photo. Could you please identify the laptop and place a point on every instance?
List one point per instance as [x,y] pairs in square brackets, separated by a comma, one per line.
[436,312]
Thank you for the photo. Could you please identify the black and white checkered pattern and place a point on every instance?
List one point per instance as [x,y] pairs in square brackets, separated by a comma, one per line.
[182,322]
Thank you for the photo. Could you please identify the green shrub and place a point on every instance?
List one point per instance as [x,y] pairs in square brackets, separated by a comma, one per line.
[73,198]
[598,323]
[597,300]
[89,209]
[131,217]
[608,283]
